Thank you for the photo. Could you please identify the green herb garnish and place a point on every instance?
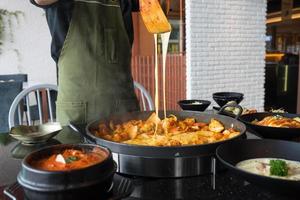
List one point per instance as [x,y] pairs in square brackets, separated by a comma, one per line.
[71,159]
[278,168]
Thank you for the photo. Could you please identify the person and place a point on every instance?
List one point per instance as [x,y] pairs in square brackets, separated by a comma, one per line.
[91,44]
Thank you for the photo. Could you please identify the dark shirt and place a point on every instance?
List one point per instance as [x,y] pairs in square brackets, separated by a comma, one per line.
[59,16]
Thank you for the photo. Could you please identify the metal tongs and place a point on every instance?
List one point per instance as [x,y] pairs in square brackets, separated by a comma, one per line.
[153,16]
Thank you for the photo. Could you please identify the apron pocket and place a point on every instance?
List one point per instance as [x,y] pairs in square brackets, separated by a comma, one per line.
[74,112]
[111,51]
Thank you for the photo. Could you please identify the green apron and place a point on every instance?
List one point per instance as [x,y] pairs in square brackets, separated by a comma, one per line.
[94,66]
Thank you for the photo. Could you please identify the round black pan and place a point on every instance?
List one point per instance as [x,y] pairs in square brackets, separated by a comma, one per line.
[233,152]
[270,132]
[165,152]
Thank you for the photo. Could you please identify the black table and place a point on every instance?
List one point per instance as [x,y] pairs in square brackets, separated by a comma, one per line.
[224,185]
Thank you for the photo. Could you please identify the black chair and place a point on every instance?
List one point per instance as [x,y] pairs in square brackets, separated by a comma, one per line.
[33,112]
[8,91]
[13,77]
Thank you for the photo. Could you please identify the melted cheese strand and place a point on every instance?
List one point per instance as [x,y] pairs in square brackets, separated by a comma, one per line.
[165,41]
[156,79]
[156,76]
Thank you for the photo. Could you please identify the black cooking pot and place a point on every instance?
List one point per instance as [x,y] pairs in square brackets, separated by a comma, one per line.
[270,132]
[236,151]
[86,183]
[154,161]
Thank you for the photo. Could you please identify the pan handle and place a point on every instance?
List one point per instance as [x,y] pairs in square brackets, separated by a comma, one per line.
[235,105]
[83,134]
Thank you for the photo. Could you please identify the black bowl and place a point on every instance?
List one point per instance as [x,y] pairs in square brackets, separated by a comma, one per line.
[195,105]
[279,133]
[222,98]
[236,151]
[85,183]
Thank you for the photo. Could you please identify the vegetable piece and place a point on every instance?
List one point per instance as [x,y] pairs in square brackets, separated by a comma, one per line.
[132,132]
[278,168]
[216,126]
[297,119]
[153,119]
[71,159]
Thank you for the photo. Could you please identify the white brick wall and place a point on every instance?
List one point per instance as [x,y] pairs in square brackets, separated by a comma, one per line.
[29,52]
[226,48]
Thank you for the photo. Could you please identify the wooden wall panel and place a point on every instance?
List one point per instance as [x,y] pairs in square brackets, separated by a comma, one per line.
[298,96]
[143,72]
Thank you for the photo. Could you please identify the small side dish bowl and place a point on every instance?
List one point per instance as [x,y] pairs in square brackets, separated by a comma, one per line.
[232,153]
[222,98]
[85,182]
[30,135]
[194,105]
